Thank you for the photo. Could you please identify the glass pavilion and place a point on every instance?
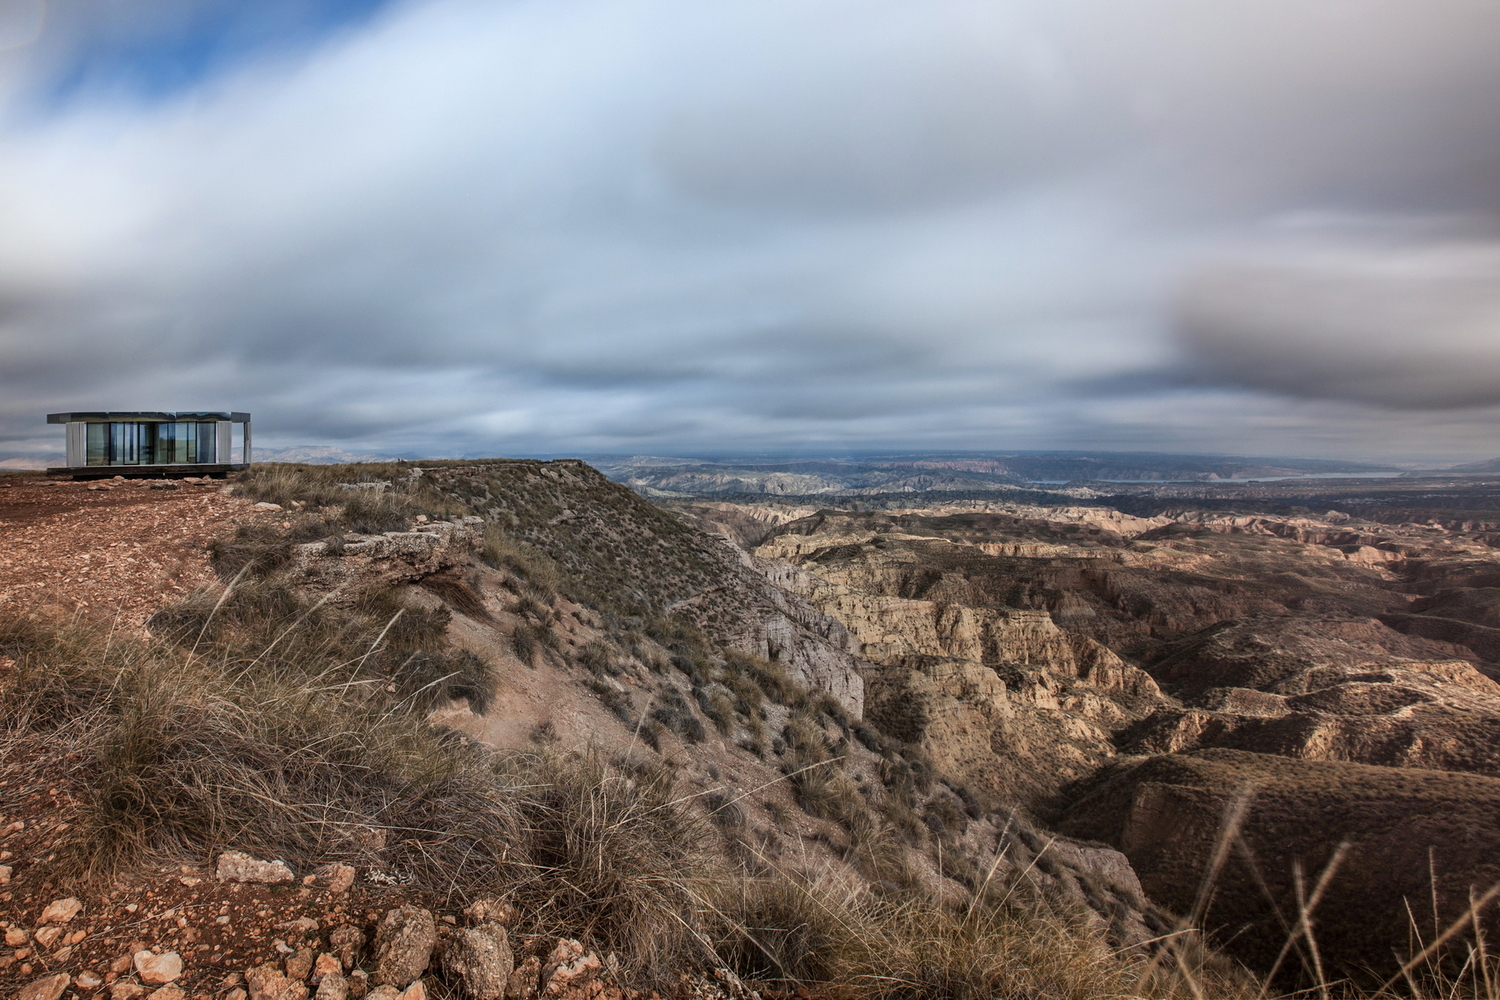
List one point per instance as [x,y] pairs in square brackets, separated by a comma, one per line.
[154,444]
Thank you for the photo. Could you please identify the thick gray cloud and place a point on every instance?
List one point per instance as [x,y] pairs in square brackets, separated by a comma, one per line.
[1405,327]
[633,225]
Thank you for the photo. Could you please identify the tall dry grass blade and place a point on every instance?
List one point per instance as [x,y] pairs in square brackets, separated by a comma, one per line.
[994,866]
[224,596]
[1304,927]
[1303,930]
[1229,829]
[381,637]
[1468,915]
[1483,966]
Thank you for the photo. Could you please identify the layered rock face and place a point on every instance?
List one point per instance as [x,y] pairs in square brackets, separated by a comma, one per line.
[999,696]
[1326,689]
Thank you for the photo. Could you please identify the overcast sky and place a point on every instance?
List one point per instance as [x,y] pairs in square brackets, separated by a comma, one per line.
[459,226]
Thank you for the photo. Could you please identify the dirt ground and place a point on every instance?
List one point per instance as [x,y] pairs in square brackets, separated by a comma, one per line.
[120,551]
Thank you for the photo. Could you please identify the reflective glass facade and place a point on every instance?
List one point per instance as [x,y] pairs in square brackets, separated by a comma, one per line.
[131,443]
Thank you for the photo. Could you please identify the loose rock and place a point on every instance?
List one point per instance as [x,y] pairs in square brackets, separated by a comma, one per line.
[5,873]
[333,987]
[340,878]
[299,966]
[267,983]
[167,993]
[326,965]
[403,945]
[60,911]
[49,988]
[481,956]
[239,867]
[47,936]
[569,967]
[346,942]
[490,910]
[157,970]
[523,982]
[125,990]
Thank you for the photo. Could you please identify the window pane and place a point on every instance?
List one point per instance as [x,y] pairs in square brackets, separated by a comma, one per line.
[124,444]
[206,432]
[98,444]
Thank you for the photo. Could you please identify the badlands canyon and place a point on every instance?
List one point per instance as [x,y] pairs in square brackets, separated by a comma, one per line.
[1241,687]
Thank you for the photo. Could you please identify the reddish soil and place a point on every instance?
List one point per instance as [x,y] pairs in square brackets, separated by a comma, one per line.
[119,552]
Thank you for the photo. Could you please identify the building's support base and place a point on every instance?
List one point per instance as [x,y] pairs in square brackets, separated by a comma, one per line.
[218,471]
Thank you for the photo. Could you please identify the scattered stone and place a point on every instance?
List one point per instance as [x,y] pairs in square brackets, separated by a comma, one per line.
[347,942]
[15,937]
[237,994]
[340,878]
[5,873]
[403,945]
[299,966]
[481,956]
[523,982]
[333,987]
[383,993]
[167,993]
[60,911]
[163,484]
[267,983]
[236,866]
[189,880]
[359,984]
[49,988]
[267,505]
[47,936]
[568,967]
[416,991]
[157,970]
[490,910]
[87,981]
[302,925]
[326,965]
[126,990]
[120,965]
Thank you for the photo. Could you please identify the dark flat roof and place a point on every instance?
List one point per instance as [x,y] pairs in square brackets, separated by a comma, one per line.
[148,416]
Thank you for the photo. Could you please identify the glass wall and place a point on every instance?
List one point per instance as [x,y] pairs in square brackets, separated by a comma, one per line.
[182,443]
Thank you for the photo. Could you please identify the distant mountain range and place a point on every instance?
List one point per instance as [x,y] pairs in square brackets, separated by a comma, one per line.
[921,473]
[316,454]
[1491,466]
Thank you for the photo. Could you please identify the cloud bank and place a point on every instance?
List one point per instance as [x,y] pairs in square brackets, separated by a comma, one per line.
[623,225]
